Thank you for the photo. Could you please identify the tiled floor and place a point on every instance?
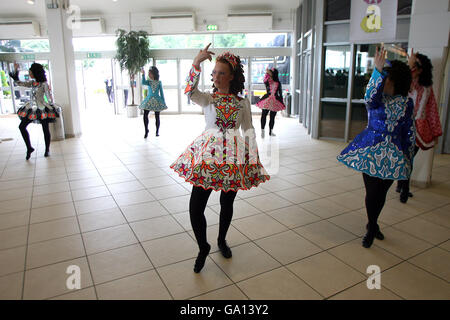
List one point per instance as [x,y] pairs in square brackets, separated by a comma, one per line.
[108,203]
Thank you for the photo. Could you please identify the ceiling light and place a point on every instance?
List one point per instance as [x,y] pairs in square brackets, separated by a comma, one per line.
[30,1]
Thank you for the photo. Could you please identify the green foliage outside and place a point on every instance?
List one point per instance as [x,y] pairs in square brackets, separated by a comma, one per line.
[198,41]
[179,41]
[88,63]
[4,80]
[133,53]
[34,45]
[230,41]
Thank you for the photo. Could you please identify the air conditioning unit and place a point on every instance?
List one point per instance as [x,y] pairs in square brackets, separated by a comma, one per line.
[249,22]
[19,29]
[88,27]
[177,23]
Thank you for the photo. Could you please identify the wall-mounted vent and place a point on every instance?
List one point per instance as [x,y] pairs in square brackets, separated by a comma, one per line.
[180,23]
[19,29]
[249,22]
[89,27]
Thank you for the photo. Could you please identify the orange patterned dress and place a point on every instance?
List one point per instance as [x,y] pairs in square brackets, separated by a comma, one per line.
[221,158]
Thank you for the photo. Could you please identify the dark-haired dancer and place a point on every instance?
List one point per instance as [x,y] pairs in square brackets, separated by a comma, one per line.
[272,101]
[40,108]
[155,98]
[426,112]
[220,159]
[383,152]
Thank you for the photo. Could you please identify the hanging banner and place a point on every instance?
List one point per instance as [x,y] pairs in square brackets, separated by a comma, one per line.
[373,21]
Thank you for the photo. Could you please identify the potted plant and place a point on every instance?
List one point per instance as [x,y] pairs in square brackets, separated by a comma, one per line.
[133,53]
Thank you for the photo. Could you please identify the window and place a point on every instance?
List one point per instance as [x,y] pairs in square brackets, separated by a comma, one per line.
[252,40]
[180,41]
[365,63]
[284,69]
[259,67]
[106,43]
[404,7]
[32,45]
[337,10]
[332,120]
[335,78]
[358,119]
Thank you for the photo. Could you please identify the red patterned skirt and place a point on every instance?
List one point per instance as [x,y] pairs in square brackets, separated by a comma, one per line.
[38,115]
[222,164]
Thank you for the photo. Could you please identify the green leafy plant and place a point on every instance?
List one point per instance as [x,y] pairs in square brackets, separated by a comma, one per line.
[133,53]
[4,82]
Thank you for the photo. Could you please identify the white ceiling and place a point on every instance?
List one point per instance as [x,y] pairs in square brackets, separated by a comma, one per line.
[20,8]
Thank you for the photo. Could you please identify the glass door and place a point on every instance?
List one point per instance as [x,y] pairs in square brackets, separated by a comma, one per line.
[258,69]
[98,83]
[187,106]
[6,92]
[168,75]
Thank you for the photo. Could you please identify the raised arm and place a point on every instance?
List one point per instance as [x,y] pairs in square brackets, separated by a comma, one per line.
[375,86]
[200,98]
[144,82]
[15,76]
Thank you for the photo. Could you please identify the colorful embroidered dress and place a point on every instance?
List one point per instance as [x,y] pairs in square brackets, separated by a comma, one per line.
[272,100]
[385,148]
[428,125]
[155,97]
[40,106]
[221,158]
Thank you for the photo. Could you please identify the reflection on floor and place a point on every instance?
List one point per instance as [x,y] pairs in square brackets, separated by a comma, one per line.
[108,203]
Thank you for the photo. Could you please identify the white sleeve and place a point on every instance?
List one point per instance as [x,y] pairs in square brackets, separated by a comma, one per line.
[246,124]
[192,80]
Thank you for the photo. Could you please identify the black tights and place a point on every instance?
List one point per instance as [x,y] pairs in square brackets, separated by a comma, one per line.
[403,185]
[376,191]
[197,206]
[271,121]
[26,137]
[146,112]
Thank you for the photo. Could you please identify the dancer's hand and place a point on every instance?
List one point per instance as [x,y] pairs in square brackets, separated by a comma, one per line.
[203,55]
[16,66]
[412,59]
[380,59]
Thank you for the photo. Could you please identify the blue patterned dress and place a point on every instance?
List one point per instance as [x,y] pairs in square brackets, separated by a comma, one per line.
[385,148]
[155,97]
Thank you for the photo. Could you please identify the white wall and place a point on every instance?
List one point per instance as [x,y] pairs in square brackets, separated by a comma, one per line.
[429,35]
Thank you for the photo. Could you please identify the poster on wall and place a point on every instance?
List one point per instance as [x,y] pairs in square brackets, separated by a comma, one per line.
[373,21]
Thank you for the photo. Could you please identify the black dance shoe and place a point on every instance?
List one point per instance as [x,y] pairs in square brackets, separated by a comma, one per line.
[368,239]
[201,258]
[403,197]
[224,249]
[146,134]
[398,189]
[378,233]
[46,153]
[157,133]
[29,152]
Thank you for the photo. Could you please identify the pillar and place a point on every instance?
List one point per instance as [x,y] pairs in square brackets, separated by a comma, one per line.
[63,64]
[428,34]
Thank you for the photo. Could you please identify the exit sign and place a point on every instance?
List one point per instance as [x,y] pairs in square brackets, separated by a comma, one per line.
[211,27]
[94,55]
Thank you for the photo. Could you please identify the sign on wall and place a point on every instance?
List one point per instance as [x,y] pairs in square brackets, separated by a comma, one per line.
[373,21]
